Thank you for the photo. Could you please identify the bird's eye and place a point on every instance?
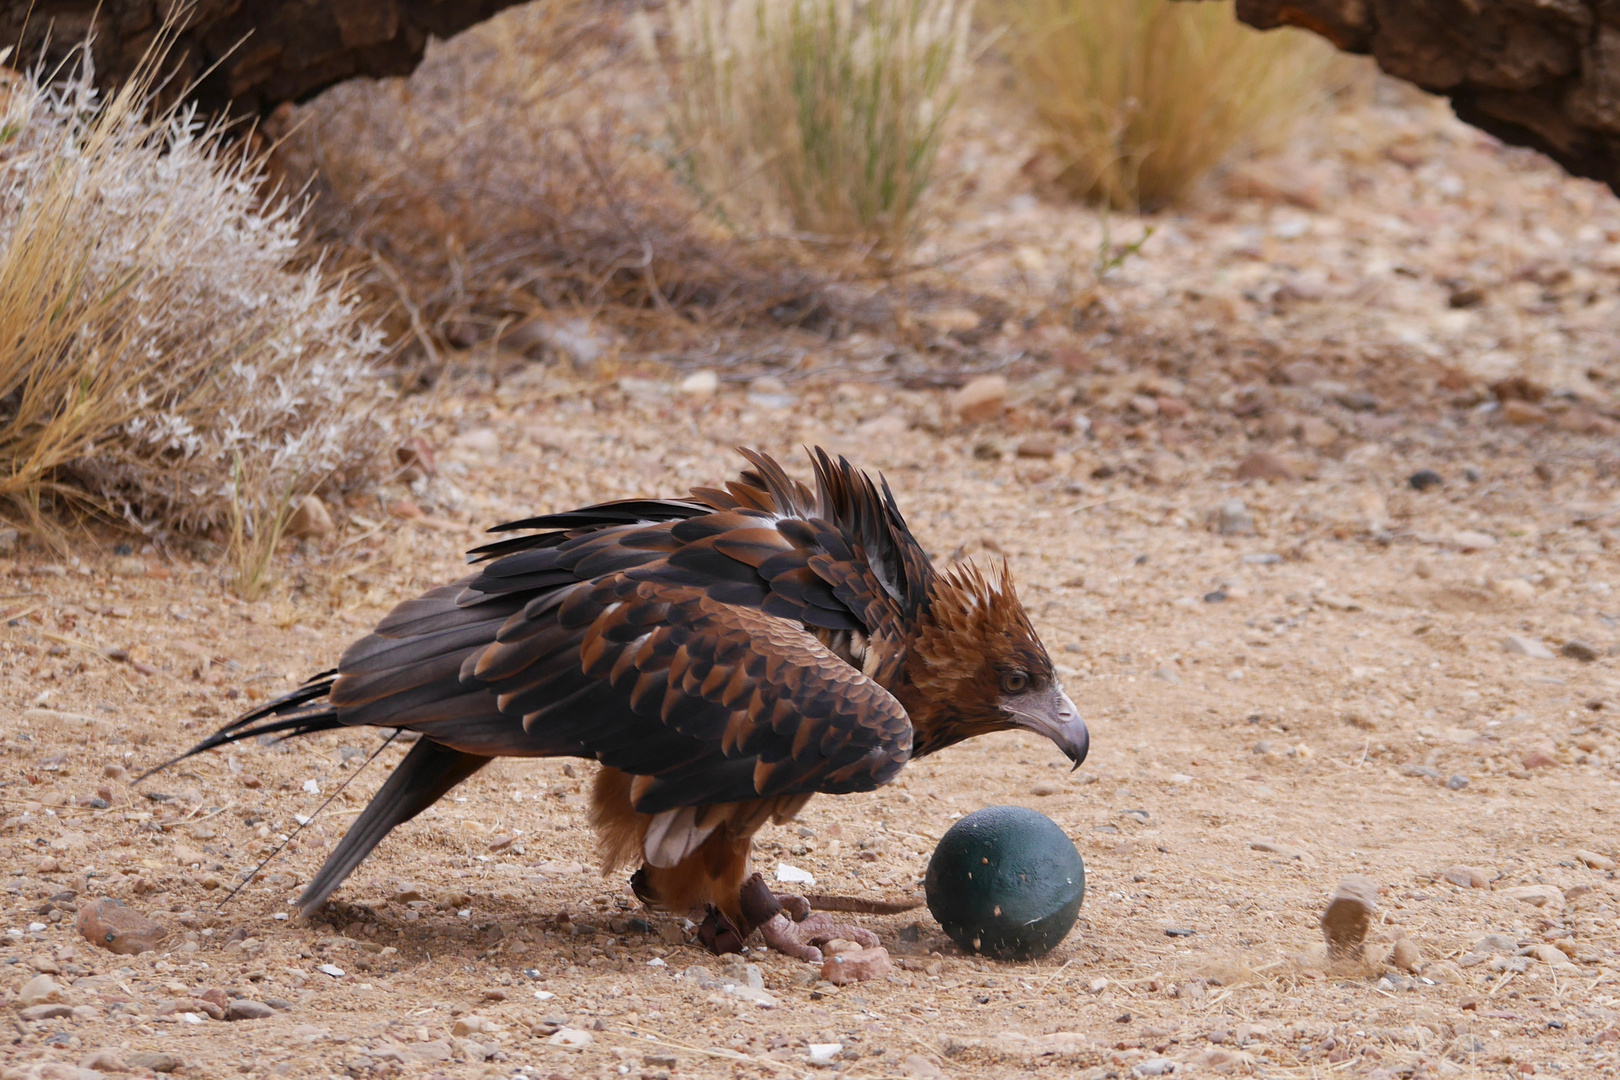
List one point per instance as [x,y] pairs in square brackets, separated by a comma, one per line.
[1014,682]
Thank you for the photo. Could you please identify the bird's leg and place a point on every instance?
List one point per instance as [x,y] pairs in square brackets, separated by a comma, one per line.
[797,936]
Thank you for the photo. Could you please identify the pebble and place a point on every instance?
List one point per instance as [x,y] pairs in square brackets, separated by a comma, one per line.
[1317,433]
[1156,1066]
[332,970]
[1536,895]
[1348,914]
[1516,589]
[310,518]
[128,566]
[1420,771]
[39,990]
[1538,759]
[920,1068]
[1263,466]
[572,1038]
[1467,540]
[1595,861]
[1576,649]
[1457,782]
[55,1011]
[1405,955]
[1466,877]
[1287,851]
[1037,446]
[793,875]
[1522,413]
[983,398]
[107,923]
[156,1060]
[1547,954]
[1233,519]
[824,1053]
[104,1061]
[479,440]
[1523,646]
[859,966]
[243,1009]
[700,384]
[1424,479]
[1045,788]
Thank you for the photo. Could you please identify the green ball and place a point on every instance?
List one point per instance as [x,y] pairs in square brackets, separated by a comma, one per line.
[1006,882]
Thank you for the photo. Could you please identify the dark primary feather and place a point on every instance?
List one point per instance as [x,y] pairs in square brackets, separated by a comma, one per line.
[706,645]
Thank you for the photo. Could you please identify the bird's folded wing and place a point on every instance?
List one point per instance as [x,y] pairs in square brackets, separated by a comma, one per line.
[709,701]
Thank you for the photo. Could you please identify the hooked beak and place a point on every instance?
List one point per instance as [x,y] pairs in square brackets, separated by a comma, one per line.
[1052,714]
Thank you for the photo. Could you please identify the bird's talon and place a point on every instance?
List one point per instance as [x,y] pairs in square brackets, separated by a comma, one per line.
[787,937]
[797,907]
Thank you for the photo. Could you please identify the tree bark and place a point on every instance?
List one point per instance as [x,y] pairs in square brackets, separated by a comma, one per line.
[1537,73]
[245,56]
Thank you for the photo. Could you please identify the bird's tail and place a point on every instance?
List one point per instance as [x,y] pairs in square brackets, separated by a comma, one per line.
[302,712]
[428,771]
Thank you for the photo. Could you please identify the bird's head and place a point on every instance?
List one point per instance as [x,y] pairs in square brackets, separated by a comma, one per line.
[975,665]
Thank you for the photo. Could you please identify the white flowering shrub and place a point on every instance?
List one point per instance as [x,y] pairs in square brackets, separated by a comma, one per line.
[168,352]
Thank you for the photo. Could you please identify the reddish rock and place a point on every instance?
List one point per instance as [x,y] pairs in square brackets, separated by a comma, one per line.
[1538,759]
[984,398]
[112,926]
[1037,446]
[859,966]
[1263,466]
[1522,413]
[1466,877]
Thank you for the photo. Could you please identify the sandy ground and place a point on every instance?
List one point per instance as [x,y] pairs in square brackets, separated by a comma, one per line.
[1338,674]
[1360,641]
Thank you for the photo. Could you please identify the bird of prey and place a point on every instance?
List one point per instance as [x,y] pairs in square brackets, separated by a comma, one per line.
[723,657]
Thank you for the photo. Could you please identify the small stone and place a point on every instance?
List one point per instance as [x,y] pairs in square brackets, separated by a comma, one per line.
[1538,759]
[128,566]
[406,893]
[1168,675]
[1457,782]
[1317,433]
[104,1061]
[243,1009]
[859,966]
[1037,446]
[1466,540]
[1045,788]
[1576,649]
[1233,519]
[1424,479]
[155,1060]
[1495,945]
[1405,956]
[1523,646]
[57,1011]
[1287,851]
[1594,860]
[309,518]
[1547,954]
[38,991]
[1523,414]
[1155,1066]
[8,540]
[332,970]
[1466,877]
[1261,465]
[479,440]
[470,1025]
[824,1053]
[572,1038]
[1348,914]
[1420,771]
[1515,589]
[1536,895]
[700,384]
[983,398]
[918,1067]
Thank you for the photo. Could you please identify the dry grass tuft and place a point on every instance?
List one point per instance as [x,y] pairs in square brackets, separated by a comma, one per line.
[827,111]
[1141,99]
[507,180]
[159,346]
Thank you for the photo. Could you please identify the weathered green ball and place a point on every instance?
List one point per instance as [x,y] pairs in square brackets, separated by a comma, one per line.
[1006,882]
